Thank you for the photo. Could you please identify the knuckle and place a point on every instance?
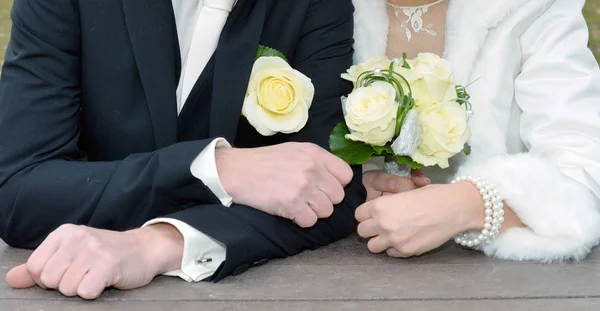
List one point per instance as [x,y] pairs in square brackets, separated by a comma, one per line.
[309,223]
[91,244]
[66,227]
[328,211]
[347,173]
[87,294]
[407,250]
[311,148]
[309,166]
[387,225]
[48,280]
[109,259]
[117,278]
[67,291]
[378,209]
[302,184]
[398,241]
[35,267]
[290,211]
[339,197]
[392,185]
[324,211]
[292,200]
[306,221]
[79,233]
[372,248]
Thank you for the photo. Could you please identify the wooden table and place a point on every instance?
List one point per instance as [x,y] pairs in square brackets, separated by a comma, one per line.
[344,276]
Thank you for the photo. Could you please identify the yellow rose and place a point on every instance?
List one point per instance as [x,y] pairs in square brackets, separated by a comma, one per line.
[445,132]
[354,72]
[435,83]
[278,97]
[370,113]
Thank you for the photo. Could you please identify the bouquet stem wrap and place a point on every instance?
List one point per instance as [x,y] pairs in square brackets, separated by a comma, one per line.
[391,166]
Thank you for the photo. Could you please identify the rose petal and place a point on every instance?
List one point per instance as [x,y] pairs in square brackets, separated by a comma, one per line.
[251,110]
[284,123]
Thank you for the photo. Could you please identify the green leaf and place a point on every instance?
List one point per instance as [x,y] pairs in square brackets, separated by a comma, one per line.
[405,63]
[404,107]
[264,51]
[408,161]
[467,149]
[462,94]
[385,150]
[352,152]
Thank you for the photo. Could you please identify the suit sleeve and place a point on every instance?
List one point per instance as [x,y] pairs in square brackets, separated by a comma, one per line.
[45,179]
[251,237]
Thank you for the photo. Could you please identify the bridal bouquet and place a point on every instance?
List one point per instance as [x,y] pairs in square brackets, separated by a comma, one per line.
[409,111]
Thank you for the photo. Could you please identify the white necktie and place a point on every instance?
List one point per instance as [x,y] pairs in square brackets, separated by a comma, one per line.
[211,20]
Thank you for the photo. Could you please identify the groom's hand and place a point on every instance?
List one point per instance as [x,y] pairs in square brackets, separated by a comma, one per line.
[379,183]
[298,181]
[82,261]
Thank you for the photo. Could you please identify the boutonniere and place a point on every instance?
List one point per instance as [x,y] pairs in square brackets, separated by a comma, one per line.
[278,96]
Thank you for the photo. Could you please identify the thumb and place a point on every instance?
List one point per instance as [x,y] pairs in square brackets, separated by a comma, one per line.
[19,278]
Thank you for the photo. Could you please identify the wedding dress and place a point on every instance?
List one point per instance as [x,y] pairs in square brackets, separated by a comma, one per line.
[535,90]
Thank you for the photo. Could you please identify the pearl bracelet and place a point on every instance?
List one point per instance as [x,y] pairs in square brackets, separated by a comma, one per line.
[494,214]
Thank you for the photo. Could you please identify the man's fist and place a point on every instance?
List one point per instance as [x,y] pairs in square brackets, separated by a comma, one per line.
[82,261]
[298,181]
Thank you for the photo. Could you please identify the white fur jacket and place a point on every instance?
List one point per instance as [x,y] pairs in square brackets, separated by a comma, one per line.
[535,90]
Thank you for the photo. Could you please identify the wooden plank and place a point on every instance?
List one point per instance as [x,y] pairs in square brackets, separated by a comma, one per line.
[351,251]
[369,282]
[330,274]
[472,305]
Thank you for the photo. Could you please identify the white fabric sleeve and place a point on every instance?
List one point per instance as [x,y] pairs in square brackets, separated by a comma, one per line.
[204,167]
[202,255]
[555,188]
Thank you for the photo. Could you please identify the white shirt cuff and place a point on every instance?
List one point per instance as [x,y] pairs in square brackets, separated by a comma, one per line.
[202,255]
[204,167]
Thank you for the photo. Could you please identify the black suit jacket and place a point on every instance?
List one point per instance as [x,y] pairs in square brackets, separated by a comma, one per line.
[89,132]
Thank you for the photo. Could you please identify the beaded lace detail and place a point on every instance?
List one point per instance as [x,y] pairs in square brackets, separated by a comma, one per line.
[415,29]
[414,21]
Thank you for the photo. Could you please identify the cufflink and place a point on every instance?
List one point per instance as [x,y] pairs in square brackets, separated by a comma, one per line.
[203,260]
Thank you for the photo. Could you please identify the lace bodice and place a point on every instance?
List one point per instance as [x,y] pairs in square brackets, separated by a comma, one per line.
[416,29]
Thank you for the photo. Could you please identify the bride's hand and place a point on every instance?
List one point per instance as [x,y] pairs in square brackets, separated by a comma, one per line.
[379,183]
[415,222]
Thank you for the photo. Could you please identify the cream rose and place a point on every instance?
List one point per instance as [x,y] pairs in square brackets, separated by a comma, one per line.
[445,132]
[278,97]
[435,83]
[354,72]
[370,113]
[431,64]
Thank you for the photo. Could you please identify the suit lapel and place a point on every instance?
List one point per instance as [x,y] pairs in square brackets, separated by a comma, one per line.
[153,35]
[234,59]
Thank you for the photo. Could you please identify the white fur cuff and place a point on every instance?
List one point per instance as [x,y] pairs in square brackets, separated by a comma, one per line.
[562,216]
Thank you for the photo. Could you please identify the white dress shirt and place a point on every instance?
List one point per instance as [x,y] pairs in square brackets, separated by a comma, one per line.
[199,26]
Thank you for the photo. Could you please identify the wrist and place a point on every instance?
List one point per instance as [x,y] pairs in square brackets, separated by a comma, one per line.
[228,174]
[472,207]
[162,247]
